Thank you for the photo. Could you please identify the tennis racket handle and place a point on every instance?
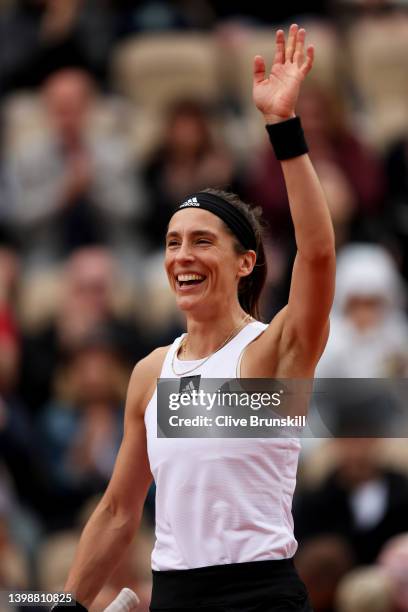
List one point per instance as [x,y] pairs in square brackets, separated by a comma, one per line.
[126,601]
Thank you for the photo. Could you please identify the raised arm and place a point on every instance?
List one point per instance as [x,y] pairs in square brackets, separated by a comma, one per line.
[301,328]
[114,522]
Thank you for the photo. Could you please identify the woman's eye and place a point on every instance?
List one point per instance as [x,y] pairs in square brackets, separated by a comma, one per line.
[172,243]
[203,241]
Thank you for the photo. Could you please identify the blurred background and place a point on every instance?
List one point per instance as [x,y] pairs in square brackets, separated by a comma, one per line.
[111,112]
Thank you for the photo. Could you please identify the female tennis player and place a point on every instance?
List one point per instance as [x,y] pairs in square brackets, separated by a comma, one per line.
[224,529]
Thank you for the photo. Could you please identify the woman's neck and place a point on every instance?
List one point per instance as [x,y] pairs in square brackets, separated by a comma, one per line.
[205,336]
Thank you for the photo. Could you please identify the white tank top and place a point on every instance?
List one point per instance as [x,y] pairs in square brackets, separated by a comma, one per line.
[222,500]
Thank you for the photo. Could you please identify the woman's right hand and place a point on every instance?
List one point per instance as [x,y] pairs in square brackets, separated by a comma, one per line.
[276,95]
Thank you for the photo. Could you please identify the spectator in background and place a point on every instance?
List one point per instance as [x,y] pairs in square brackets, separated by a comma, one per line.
[360,501]
[81,427]
[369,332]
[188,160]
[76,185]
[38,37]
[19,464]
[90,291]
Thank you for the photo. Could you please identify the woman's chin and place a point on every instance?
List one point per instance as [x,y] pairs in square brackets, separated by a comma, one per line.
[188,303]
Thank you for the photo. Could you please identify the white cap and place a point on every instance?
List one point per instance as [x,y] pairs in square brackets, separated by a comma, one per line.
[367,270]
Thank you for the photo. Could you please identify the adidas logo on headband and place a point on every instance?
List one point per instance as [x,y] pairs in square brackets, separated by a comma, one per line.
[190,202]
[232,216]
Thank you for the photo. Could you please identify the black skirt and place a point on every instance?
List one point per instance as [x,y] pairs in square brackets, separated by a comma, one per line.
[257,586]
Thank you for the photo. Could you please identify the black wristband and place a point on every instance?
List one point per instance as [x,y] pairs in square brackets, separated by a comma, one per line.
[287,138]
[73,605]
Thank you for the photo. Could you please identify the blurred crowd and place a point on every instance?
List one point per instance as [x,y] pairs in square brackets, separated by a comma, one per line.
[110,114]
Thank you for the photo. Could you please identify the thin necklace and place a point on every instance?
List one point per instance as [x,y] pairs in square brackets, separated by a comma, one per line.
[183,345]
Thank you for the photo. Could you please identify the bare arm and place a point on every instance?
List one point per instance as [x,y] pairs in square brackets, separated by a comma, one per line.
[306,323]
[301,329]
[114,522]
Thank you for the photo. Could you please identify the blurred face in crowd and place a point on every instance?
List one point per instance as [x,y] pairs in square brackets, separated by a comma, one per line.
[357,459]
[96,376]
[187,131]
[365,312]
[321,111]
[313,110]
[90,280]
[340,195]
[68,95]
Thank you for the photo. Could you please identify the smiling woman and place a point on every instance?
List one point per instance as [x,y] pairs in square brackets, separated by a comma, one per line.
[242,225]
[224,527]
[210,250]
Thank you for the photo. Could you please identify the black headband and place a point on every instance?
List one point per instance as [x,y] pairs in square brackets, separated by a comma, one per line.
[231,215]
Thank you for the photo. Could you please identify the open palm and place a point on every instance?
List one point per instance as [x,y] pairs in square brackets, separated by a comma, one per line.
[276,95]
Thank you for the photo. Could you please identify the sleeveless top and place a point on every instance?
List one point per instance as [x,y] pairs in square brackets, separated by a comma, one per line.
[220,501]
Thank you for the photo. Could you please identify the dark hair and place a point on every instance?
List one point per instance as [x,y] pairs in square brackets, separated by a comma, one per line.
[250,287]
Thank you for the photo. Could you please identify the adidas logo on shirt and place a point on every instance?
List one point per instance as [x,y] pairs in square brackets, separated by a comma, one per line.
[188,384]
[190,387]
[190,202]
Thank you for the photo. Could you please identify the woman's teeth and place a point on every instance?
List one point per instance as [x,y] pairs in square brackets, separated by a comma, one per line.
[189,278]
